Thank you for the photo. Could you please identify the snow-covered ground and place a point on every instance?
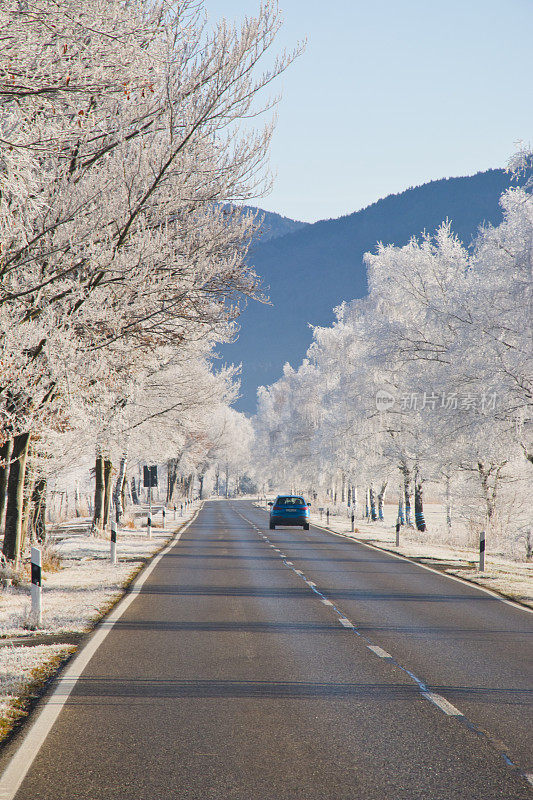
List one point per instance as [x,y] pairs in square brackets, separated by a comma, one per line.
[73,598]
[447,553]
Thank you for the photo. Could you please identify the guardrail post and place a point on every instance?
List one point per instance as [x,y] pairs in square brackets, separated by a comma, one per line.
[36,587]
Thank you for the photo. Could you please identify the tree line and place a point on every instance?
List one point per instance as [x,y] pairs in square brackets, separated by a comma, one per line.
[428,379]
[125,152]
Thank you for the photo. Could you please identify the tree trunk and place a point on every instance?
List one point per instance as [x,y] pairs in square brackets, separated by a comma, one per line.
[123,493]
[172,477]
[108,468]
[406,492]
[372,499]
[15,497]
[419,504]
[490,492]
[448,504]
[401,518]
[134,495]
[5,457]
[201,481]
[39,510]
[381,498]
[119,486]
[77,510]
[227,481]
[26,509]
[99,492]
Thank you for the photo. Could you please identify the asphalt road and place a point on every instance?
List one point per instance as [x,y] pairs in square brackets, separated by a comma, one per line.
[236,674]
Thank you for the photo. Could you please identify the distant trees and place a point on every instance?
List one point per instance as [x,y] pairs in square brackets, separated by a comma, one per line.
[429,378]
[121,154]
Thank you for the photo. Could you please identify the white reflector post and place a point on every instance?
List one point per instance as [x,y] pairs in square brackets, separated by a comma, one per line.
[113,551]
[482,551]
[36,587]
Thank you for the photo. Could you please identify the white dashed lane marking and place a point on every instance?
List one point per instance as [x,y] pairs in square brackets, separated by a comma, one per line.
[443,704]
[345,622]
[436,699]
[378,651]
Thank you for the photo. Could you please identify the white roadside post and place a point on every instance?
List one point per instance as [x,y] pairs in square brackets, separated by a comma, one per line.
[113,551]
[164,516]
[398,532]
[36,587]
[149,521]
[353,522]
[482,551]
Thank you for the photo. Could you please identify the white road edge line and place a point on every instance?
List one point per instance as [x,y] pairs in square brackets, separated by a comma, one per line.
[442,703]
[379,651]
[20,763]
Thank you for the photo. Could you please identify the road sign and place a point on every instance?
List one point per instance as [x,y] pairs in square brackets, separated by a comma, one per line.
[150,476]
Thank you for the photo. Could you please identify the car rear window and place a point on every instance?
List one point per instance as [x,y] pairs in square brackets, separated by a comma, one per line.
[290,501]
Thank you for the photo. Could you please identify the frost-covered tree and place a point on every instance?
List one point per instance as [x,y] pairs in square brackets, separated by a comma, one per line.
[120,152]
[426,380]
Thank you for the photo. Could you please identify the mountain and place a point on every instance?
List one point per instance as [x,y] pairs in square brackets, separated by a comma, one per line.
[274,225]
[311,269]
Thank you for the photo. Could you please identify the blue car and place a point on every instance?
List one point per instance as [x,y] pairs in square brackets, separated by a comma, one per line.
[289,510]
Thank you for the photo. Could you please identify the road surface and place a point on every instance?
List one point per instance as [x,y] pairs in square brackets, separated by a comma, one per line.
[284,665]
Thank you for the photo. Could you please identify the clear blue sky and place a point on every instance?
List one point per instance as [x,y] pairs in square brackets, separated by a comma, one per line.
[393,93]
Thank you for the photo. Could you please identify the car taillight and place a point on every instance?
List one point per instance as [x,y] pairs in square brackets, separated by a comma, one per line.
[276,508]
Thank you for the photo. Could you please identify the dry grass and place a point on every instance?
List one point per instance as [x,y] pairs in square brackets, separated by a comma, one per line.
[20,706]
[51,559]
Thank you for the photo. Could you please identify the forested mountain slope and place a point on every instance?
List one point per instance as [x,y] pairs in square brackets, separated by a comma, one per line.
[308,272]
